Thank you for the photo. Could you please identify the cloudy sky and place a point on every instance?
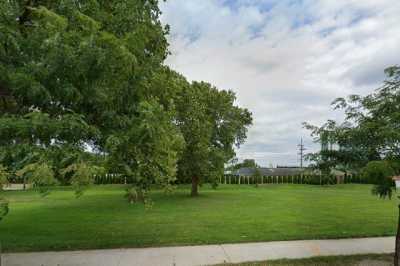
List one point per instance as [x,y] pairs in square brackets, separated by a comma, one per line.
[286,59]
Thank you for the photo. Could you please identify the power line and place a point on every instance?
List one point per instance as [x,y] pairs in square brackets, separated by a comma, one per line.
[301,152]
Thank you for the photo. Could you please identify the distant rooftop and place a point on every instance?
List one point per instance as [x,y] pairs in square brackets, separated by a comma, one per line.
[287,171]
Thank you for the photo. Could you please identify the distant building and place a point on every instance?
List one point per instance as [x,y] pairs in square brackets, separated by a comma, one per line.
[289,171]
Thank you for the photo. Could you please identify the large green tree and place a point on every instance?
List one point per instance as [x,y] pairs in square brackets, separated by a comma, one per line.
[79,74]
[212,125]
[80,77]
[370,130]
[147,152]
[374,119]
[369,138]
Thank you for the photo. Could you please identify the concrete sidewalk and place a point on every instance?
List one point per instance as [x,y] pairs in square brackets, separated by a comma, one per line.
[203,255]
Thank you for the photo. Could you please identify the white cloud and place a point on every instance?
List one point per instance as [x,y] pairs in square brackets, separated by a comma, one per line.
[286,60]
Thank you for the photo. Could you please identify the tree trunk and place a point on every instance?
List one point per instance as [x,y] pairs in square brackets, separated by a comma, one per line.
[195,186]
[397,247]
[140,195]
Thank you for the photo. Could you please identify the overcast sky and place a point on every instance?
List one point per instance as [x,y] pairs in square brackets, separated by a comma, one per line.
[285,59]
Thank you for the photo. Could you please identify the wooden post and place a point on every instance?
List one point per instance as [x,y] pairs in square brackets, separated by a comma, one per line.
[225,179]
[239,180]
[230,180]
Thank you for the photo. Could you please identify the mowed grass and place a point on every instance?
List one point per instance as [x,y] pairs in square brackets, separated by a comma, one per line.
[102,218]
[355,260]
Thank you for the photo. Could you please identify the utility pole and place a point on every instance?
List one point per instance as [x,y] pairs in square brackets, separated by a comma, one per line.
[301,152]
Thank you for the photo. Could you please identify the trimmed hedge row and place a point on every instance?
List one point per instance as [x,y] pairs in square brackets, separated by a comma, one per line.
[297,179]
[111,179]
[307,179]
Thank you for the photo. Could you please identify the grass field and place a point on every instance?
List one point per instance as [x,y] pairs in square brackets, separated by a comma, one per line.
[103,219]
[357,260]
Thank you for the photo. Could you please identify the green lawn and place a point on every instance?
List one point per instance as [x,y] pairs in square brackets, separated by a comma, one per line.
[102,218]
[357,260]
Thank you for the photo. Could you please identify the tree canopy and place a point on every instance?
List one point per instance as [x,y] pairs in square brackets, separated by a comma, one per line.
[212,126]
[84,90]
[368,140]
[75,74]
[370,131]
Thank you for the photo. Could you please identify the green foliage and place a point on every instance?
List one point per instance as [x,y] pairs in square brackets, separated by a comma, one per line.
[4,209]
[82,175]
[246,163]
[147,151]
[337,149]
[74,74]
[370,131]
[4,175]
[78,74]
[40,175]
[135,194]
[211,125]
[379,173]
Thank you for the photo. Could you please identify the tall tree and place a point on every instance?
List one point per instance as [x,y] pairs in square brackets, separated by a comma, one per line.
[75,74]
[211,125]
[371,127]
[79,74]
[338,149]
[370,136]
[147,152]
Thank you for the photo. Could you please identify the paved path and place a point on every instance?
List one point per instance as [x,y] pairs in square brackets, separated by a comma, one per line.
[202,255]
